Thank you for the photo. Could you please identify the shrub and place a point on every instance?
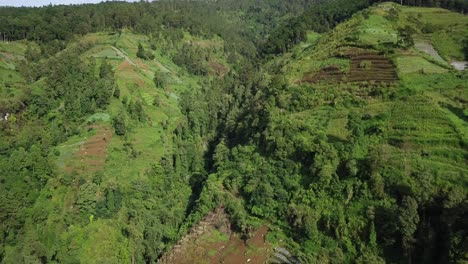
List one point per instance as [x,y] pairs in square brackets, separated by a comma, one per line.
[119,124]
[143,54]
[365,64]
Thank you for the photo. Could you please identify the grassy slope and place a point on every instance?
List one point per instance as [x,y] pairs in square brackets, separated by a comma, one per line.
[449,29]
[10,52]
[418,122]
[152,139]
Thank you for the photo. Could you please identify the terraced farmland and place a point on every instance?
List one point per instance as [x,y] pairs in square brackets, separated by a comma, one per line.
[369,66]
[90,154]
[366,66]
[328,74]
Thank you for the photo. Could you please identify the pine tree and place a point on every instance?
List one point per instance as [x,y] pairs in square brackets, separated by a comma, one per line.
[105,71]
[409,220]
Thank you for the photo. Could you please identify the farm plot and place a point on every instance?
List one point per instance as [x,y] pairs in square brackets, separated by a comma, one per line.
[365,66]
[416,64]
[329,74]
[426,47]
[109,54]
[88,155]
[369,66]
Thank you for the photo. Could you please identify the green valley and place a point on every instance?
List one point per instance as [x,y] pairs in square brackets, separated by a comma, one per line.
[225,131]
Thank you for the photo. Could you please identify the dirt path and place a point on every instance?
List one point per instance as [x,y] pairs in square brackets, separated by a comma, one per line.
[122,54]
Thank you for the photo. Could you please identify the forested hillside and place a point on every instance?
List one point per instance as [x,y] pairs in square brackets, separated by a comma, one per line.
[301,131]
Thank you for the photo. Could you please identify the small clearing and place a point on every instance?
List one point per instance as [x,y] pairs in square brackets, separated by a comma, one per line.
[217,68]
[92,153]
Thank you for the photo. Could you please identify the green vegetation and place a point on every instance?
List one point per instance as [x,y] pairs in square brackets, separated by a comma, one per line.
[412,64]
[326,126]
[376,30]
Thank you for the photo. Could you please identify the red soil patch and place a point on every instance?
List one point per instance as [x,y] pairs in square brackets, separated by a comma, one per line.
[200,247]
[124,65]
[93,153]
[218,68]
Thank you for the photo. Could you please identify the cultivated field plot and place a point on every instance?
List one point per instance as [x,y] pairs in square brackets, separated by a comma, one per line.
[109,53]
[448,29]
[372,67]
[418,127]
[364,66]
[377,30]
[336,129]
[416,64]
[87,154]
[426,47]
[328,74]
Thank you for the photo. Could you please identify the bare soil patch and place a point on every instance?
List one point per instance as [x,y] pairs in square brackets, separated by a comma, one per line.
[369,66]
[366,66]
[92,154]
[329,74]
[124,65]
[218,68]
[460,65]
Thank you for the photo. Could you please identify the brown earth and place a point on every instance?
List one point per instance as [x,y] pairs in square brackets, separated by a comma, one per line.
[218,68]
[366,66]
[92,154]
[330,74]
[124,65]
[380,70]
[203,244]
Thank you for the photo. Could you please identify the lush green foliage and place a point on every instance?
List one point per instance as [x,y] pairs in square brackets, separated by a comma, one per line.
[129,122]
